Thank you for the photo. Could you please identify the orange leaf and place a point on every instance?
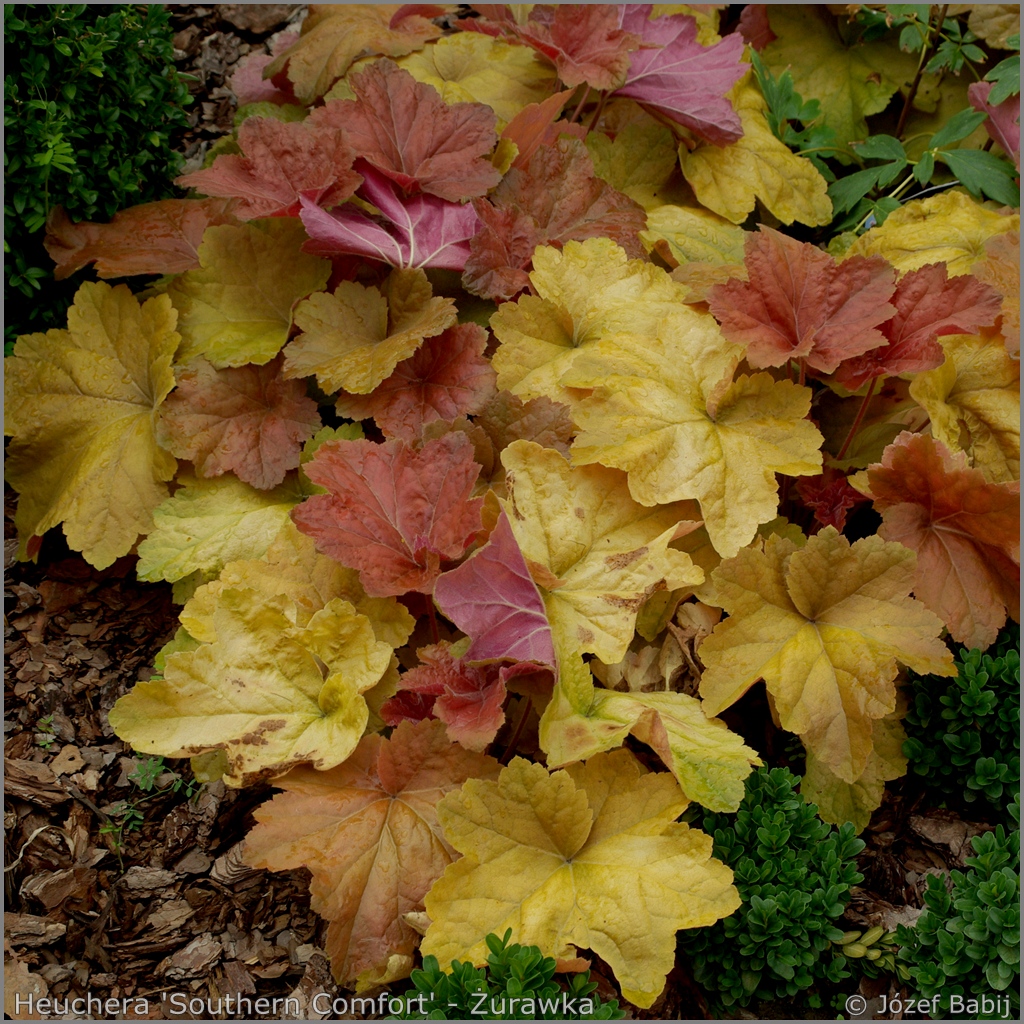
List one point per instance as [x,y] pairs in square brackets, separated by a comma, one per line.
[966,533]
[368,832]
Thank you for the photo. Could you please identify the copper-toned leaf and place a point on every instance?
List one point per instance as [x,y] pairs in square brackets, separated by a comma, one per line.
[281,161]
[392,512]
[800,304]
[368,832]
[928,304]
[154,238]
[245,419]
[965,530]
[446,377]
[412,136]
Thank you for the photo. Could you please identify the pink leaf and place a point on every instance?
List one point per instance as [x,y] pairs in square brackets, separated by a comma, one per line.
[415,231]
[676,76]
[1003,123]
[492,598]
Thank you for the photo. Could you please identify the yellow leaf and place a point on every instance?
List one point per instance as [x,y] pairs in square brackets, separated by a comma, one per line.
[695,235]
[949,228]
[208,523]
[81,408]
[258,692]
[354,338]
[840,801]
[585,291]
[590,858]
[334,35]
[851,82]
[667,410]
[730,179]
[472,68]
[704,14]
[709,761]
[994,23]
[638,162]
[293,568]
[237,308]
[824,626]
[973,401]
[599,552]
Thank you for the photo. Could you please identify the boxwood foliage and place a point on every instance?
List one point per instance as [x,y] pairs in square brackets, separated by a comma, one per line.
[794,875]
[91,98]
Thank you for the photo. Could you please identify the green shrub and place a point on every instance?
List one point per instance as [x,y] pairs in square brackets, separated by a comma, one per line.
[963,734]
[794,874]
[517,984]
[91,97]
[966,944]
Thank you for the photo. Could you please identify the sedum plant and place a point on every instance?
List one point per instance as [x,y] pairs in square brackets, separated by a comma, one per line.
[963,735]
[794,875]
[518,983]
[965,947]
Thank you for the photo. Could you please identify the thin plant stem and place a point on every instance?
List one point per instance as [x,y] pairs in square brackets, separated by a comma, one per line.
[434,635]
[926,52]
[859,418]
[598,112]
[579,106]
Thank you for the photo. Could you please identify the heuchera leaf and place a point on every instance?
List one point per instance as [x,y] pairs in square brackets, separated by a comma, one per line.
[555,199]
[246,420]
[417,231]
[708,760]
[1003,124]
[584,41]
[368,832]
[404,129]
[280,162]
[1001,269]
[468,698]
[591,857]
[207,523]
[798,303]
[595,554]
[729,180]
[949,228]
[392,512]
[446,377]
[828,496]
[965,530]
[79,407]
[334,35]
[492,598]
[973,401]
[258,693]
[531,126]
[928,304]
[668,410]
[467,67]
[354,337]
[677,77]
[237,308]
[584,292]
[824,626]
[154,238]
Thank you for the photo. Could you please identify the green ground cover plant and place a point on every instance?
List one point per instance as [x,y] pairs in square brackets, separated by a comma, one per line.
[553,415]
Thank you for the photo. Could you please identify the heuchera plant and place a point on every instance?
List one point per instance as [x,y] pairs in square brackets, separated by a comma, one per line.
[502,356]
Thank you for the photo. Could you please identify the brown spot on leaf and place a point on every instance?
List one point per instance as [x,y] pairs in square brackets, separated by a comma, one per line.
[631,604]
[580,513]
[584,635]
[257,738]
[624,558]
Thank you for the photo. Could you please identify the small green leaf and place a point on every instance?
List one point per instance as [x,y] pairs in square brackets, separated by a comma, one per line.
[958,127]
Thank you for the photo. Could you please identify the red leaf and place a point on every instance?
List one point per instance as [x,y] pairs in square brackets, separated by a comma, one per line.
[492,598]
[583,41]
[247,419]
[829,496]
[393,513]
[965,530]
[446,377]
[754,26]
[557,198]
[154,238]
[529,128]
[800,304]
[412,136]
[1003,124]
[928,304]
[281,162]
[248,83]
[414,231]
[676,76]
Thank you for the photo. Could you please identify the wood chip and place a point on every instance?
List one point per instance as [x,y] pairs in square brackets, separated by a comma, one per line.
[29,930]
[193,960]
[37,783]
[69,760]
